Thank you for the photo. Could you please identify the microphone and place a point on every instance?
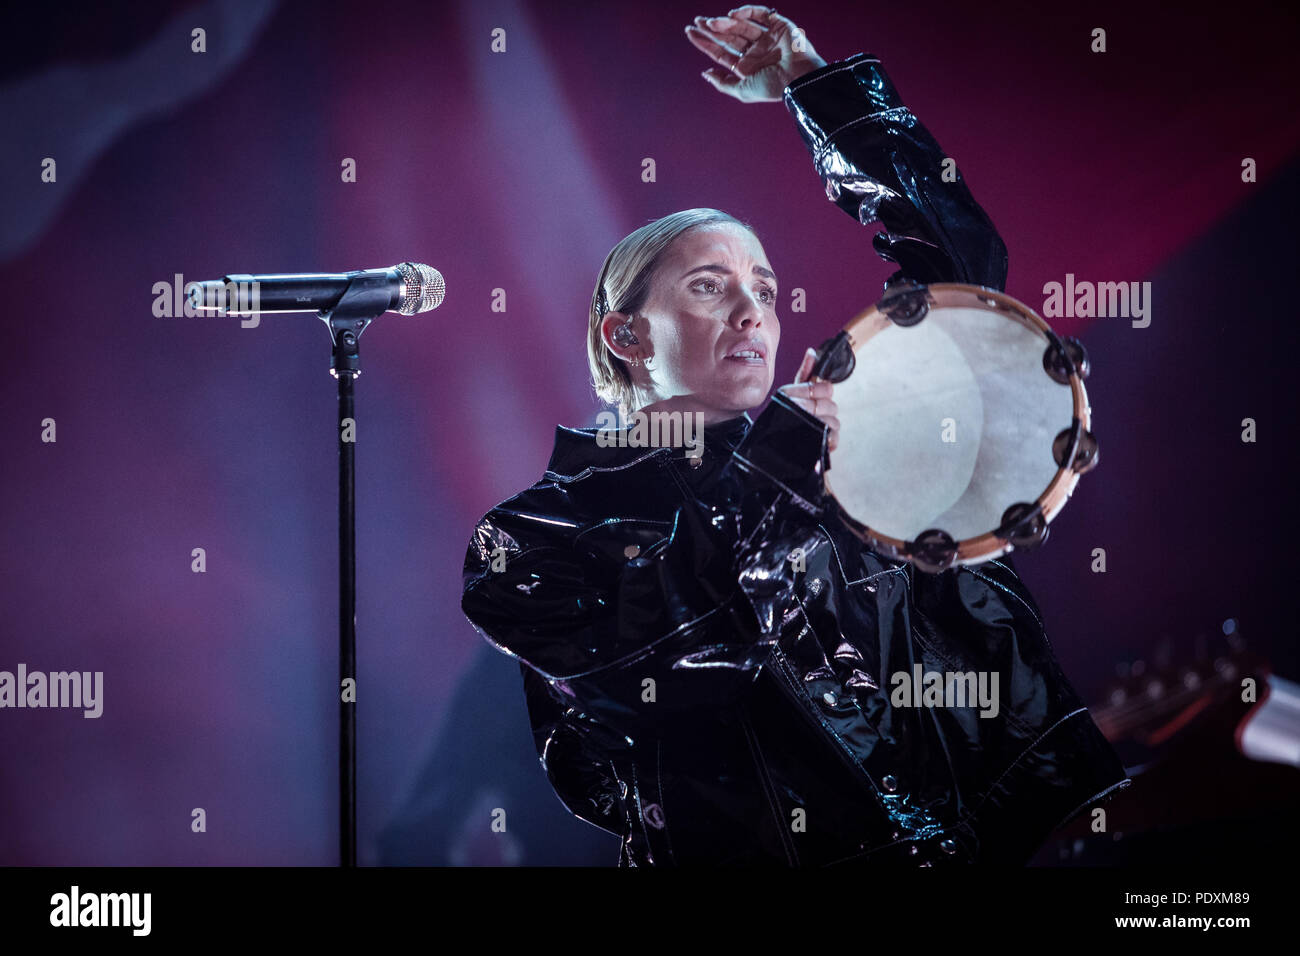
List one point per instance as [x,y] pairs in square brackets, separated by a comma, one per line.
[408,288]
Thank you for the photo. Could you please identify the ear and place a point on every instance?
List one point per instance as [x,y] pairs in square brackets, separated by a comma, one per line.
[608,324]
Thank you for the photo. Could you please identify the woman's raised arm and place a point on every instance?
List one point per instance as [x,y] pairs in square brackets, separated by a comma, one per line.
[876,160]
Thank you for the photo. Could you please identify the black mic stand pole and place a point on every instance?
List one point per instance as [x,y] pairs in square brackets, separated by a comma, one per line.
[365,298]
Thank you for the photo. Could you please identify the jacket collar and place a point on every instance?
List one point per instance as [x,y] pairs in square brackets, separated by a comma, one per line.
[576,449]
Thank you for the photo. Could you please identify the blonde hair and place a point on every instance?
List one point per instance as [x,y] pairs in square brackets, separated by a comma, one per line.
[624,286]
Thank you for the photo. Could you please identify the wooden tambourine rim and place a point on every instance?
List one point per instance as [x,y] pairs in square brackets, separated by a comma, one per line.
[987,546]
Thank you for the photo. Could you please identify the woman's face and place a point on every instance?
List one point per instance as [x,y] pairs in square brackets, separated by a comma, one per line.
[710,323]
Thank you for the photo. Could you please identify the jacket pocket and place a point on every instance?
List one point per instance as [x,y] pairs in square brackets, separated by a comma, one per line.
[770,794]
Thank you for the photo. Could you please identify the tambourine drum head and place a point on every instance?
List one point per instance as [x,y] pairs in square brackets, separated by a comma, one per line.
[946,423]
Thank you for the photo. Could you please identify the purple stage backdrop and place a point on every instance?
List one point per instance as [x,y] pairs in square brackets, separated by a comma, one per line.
[514,173]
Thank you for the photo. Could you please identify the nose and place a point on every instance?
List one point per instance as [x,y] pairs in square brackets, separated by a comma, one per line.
[748,313]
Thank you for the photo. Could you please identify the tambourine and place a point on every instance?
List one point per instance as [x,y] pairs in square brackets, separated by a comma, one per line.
[964,424]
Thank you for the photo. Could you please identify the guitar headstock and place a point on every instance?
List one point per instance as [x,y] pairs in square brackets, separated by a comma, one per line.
[1153,698]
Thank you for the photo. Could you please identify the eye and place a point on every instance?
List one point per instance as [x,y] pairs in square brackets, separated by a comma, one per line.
[702,283]
[770,293]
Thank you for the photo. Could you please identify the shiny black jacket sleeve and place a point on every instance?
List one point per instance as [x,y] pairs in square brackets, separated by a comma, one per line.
[878,163]
[547,580]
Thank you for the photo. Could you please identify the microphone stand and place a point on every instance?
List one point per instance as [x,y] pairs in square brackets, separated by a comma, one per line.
[366,298]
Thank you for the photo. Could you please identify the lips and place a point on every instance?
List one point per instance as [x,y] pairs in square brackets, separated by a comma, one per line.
[753,352]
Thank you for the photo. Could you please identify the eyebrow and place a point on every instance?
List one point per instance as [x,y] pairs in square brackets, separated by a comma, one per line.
[715,267]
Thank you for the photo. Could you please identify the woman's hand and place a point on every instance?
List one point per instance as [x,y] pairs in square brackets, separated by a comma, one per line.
[754,48]
[815,397]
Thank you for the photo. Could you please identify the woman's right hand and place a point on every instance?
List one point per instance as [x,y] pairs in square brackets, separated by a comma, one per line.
[754,48]
[816,398]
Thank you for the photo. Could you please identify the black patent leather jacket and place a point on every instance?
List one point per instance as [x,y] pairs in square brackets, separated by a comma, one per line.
[704,695]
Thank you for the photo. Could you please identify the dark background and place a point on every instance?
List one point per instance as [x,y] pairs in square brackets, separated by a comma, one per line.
[520,171]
